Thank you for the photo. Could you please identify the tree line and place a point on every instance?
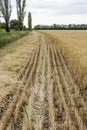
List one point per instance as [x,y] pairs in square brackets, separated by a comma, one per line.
[6,9]
[61,27]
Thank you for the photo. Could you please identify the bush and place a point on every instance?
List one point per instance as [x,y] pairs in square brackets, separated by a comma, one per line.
[14,24]
[2,25]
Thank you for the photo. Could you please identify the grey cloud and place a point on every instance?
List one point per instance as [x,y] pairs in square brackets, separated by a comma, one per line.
[61,7]
[66,8]
[70,10]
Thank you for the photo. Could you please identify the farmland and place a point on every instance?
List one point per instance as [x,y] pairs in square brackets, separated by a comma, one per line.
[43,82]
[73,47]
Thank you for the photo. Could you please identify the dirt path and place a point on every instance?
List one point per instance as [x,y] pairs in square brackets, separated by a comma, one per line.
[46,97]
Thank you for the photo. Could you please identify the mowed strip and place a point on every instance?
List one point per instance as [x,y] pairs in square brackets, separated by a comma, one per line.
[46,96]
[21,52]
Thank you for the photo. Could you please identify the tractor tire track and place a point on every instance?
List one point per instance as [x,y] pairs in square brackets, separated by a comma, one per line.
[11,107]
[46,96]
[68,96]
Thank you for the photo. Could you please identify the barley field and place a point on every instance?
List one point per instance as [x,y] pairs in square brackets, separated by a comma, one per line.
[43,82]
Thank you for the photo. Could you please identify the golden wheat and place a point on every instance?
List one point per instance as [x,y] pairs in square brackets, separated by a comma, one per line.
[73,47]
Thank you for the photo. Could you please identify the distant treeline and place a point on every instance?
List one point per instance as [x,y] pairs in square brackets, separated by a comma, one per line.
[61,27]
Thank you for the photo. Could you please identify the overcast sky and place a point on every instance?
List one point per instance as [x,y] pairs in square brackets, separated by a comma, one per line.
[55,11]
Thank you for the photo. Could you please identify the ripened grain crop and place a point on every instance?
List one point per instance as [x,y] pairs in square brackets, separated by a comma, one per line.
[42,94]
[73,47]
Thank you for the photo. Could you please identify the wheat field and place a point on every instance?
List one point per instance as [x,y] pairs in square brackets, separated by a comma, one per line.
[73,47]
[43,89]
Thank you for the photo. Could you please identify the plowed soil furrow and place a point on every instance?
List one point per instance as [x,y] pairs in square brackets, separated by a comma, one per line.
[46,96]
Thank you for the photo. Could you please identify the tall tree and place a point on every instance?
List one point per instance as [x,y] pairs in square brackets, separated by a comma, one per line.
[29,21]
[21,4]
[5,8]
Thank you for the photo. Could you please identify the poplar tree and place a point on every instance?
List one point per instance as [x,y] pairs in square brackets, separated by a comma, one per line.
[21,4]
[29,21]
[5,8]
